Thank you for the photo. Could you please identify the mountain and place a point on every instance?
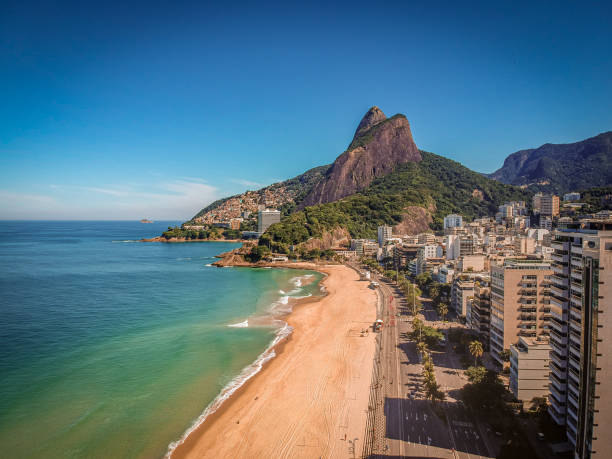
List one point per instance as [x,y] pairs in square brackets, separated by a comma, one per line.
[378,146]
[381,179]
[414,197]
[560,168]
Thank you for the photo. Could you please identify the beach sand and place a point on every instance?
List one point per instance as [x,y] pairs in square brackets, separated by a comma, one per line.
[313,395]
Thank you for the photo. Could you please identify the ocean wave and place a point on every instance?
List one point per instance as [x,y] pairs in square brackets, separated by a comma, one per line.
[128,240]
[302,297]
[209,264]
[240,324]
[283,300]
[235,384]
[297,281]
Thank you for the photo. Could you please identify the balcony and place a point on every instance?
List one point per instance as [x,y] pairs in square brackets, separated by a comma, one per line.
[577,248]
[559,395]
[574,390]
[575,336]
[572,412]
[559,294]
[574,375]
[558,377]
[558,325]
[560,338]
[555,413]
[556,369]
[558,300]
[558,245]
[574,364]
[558,401]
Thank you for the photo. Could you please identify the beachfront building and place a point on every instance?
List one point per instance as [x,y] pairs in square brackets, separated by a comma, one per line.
[519,303]
[364,247]
[529,359]
[581,367]
[266,218]
[384,233]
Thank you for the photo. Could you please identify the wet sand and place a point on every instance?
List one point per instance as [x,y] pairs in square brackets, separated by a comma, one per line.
[313,394]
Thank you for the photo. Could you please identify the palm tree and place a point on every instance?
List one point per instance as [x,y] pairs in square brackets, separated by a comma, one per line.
[476,350]
[443,310]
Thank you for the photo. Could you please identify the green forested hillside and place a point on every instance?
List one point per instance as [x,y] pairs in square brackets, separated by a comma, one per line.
[434,183]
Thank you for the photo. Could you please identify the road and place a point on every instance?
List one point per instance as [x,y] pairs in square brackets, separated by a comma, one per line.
[412,426]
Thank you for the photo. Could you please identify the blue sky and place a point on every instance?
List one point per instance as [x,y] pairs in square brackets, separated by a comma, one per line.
[128,110]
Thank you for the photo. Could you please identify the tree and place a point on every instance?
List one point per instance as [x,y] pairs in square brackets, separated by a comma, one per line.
[476,350]
[422,347]
[442,310]
[476,374]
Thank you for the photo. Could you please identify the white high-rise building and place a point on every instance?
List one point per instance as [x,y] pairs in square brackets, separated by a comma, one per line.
[266,218]
[384,233]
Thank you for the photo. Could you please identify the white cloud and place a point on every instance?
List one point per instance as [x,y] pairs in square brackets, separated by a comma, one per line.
[247,183]
[172,200]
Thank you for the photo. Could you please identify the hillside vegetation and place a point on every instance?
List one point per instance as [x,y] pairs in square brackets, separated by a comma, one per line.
[436,183]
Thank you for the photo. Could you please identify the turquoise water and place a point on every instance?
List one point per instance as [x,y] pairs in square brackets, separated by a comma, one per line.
[113,348]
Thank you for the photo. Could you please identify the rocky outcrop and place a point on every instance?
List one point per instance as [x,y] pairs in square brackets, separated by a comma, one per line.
[415,220]
[378,146]
[338,237]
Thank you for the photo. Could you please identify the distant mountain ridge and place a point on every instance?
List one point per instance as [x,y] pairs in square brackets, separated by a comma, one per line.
[560,168]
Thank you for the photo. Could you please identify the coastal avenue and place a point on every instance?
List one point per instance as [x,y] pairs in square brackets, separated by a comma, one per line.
[405,424]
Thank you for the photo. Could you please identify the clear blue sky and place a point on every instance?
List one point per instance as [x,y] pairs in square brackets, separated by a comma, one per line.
[153,109]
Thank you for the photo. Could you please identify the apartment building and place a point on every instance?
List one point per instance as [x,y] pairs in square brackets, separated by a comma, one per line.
[266,218]
[581,365]
[461,291]
[427,238]
[453,221]
[546,204]
[529,360]
[520,297]
[384,233]
[481,310]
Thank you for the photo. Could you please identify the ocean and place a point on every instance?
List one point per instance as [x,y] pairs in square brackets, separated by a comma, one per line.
[115,348]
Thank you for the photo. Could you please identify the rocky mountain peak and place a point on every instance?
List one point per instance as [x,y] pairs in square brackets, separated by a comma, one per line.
[379,145]
[373,116]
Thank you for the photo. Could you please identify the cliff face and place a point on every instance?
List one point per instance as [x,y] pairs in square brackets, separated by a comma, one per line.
[379,144]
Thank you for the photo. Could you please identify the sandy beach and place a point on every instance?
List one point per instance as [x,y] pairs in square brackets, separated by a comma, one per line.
[312,398]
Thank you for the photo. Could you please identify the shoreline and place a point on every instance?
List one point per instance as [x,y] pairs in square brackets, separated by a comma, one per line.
[182,239]
[244,378]
[204,439]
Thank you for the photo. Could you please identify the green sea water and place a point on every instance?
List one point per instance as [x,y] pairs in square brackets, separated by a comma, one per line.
[112,348]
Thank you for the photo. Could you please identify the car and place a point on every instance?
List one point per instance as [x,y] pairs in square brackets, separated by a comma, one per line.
[499,434]
[540,436]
